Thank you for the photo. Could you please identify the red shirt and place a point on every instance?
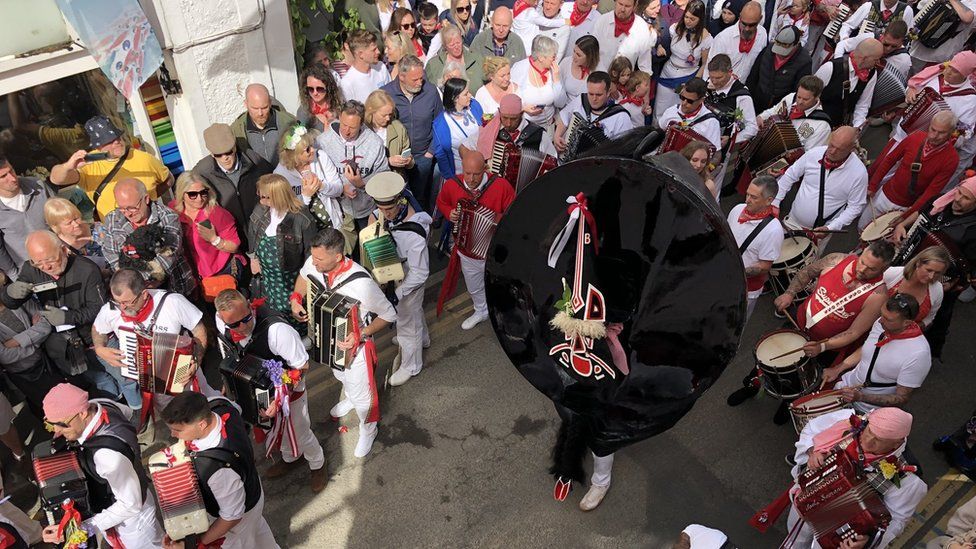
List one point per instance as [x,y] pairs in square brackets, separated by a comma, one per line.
[937,168]
[831,286]
[497,197]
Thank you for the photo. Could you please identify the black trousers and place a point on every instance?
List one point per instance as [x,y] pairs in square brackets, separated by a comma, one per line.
[937,332]
[35,383]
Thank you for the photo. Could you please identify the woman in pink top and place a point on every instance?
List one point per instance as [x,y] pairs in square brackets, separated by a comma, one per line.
[209,233]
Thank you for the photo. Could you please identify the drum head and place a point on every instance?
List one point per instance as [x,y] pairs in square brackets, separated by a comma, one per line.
[879,228]
[667,275]
[777,343]
[793,247]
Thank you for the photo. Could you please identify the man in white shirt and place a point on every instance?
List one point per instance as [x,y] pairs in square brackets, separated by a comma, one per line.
[923,55]
[612,119]
[803,110]
[833,185]
[554,24]
[690,112]
[133,307]
[366,74]
[124,508]
[892,42]
[747,34]
[881,13]
[892,363]
[622,33]
[728,96]
[849,84]
[582,18]
[759,235]
[261,333]
[335,272]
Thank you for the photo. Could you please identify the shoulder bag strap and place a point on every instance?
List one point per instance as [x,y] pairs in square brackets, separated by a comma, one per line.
[108,177]
[755,232]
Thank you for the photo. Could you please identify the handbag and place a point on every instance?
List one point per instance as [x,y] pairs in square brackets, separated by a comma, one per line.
[213,285]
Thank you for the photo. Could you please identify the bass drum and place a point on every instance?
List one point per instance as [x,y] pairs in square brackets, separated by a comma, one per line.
[649,260]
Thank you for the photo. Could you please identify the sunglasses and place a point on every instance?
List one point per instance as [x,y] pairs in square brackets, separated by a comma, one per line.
[749,25]
[197,194]
[315,89]
[244,320]
[50,425]
[408,26]
[687,99]
[221,155]
[462,9]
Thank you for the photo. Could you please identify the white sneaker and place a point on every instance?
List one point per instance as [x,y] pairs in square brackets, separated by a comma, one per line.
[593,497]
[341,409]
[473,321]
[366,438]
[400,377]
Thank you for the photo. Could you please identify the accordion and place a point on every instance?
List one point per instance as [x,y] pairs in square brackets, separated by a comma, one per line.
[925,233]
[379,253]
[248,385]
[920,113]
[59,478]
[581,136]
[935,24]
[889,91]
[178,493]
[331,316]
[833,28]
[776,146]
[519,166]
[474,228]
[678,136]
[840,501]
[162,360]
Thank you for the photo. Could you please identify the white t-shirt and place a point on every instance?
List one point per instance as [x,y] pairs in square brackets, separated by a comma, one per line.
[17,202]
[765,247]
[357,85]
[905,362]
[613,126]
[727,42]
[893,276]
[177,314]
[636,45]
[574,87]
[685,56]
[544,96]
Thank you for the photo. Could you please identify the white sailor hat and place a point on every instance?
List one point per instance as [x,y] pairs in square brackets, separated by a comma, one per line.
[385,187]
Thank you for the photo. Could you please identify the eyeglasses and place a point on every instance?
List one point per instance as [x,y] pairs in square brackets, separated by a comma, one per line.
[46,262]
[315,89]
[221,155]
[244,320]
[129,303]
[130,209]
[749,25]
[408,26]
[687,99]
[197,194]
[62,424]
[461,9]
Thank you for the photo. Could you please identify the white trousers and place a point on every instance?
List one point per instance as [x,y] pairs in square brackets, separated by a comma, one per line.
[308,445]
[805,539]
[411,328]
[602,467]
[355,384]
[142,531]
[474,278]
[664,99]
[751,303]
[252,532]
[876,207]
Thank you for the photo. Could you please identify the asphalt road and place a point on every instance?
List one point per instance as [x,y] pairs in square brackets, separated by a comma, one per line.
[463,449]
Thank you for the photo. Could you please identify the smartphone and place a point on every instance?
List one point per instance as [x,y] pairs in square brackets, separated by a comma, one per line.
[406,153]
[92,157]
[206,223]
[45,287]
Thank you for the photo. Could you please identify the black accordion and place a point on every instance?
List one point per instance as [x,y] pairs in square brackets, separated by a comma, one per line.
[777,146]
[581,136]
[248,385]
[331,317]
[935,24]
[59,478]
[926,232]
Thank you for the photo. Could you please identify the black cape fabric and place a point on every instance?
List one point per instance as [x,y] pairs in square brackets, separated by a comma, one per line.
[669,271]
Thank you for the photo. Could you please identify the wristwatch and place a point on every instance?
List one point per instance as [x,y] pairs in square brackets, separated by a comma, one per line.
[216,241]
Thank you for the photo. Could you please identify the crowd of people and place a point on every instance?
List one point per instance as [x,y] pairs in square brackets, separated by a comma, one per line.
[414,128]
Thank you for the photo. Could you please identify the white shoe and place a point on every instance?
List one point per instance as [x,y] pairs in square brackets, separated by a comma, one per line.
[366,438]
[341,409]
[473,321]
[396,341]
[400,377]
[593,497]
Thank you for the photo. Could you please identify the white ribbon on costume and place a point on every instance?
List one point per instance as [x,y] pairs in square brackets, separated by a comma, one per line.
[559,244]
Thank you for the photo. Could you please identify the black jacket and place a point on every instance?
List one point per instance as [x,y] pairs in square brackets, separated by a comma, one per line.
[294,235]
[769,86]
[238,199]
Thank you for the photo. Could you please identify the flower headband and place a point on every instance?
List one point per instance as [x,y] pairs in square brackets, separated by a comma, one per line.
[296,134]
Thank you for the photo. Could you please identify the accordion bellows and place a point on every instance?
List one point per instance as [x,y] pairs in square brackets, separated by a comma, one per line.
[178,493]
[379,254]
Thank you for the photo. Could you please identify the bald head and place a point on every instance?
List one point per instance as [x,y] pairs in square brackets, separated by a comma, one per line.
[501,23]
[502,15]
[841,144]
[473,165]
[257,99]
[868,53]
[46,252]
[130,188]
[941,128]
[749,19]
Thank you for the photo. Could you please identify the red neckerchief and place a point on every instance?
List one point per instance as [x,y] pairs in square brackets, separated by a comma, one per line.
[745,46]
[520,6]
[945,87]
[885,14]
[584,72]
[543,74]
[928,150]
[140,316]
[341,269]
[514,135]
[745,216]
[191,446]
[102,420]
[796,112]
[418,47]
[576,18]
[689,116]
[862,74]
[913,330]
[779,60]
[622,27]
[797,18]
[627,98]
[320,109]
[828,164]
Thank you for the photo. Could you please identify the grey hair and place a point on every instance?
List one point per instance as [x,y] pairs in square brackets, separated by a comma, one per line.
[767,184]
[543,46]
[447,32]
[948,118]
[449,66]
[409,62]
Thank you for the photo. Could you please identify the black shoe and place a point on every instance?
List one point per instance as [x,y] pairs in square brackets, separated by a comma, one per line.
[942,444]
[742,395]
[790,460]
[782,414]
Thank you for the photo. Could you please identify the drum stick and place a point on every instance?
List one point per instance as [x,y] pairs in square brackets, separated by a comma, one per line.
[798,349]
[874,215]
[790,318]
[826,231]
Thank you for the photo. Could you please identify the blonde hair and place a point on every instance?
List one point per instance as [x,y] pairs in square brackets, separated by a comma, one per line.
[492,64]
[399,41]
[226,298]
[184,181]
[289,157]
[928,255]
[376,101]
[57,210]
[637,78]
[282,198]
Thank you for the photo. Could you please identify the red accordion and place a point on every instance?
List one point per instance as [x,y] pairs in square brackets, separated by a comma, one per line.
[517,165]
[678,136]
[474,228]
[59,479]
[156,361]
[839,501]
[178,493]
[920,113]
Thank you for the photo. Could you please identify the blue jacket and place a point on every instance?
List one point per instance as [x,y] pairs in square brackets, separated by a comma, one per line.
[441,145]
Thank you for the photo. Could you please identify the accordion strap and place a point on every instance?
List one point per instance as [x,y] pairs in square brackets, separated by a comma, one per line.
[354,276]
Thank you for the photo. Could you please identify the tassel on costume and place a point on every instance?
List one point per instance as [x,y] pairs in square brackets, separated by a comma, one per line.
[567,457]
[767,516]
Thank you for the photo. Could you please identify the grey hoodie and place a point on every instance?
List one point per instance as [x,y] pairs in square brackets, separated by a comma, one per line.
[370,152]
